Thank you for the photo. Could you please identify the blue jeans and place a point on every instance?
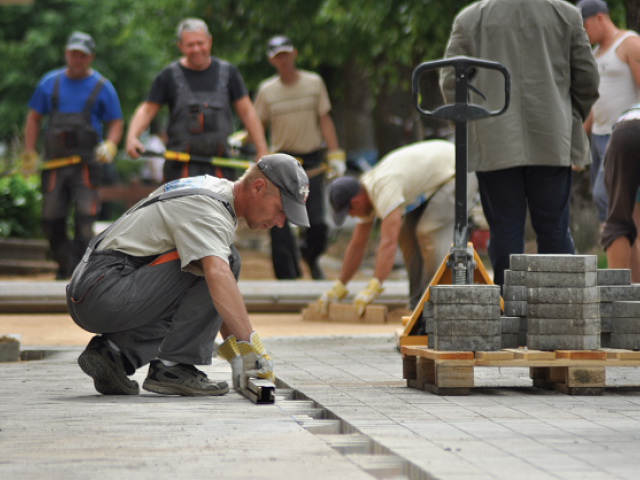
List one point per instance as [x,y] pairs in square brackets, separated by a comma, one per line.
[596,174]
[505,195]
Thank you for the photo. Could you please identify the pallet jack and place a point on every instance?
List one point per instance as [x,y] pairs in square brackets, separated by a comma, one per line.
[463,265]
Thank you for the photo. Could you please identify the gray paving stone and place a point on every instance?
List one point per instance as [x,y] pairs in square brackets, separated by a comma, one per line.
[606,324]
[522,338]
[606,309]
[509,340]
[465,311]
[625,341]
[9,347]
[564,310]
[515,309]
[514,294]
[514,278]
[563,326]
[477,294]
[620,293]
[510,324]
[625,325]
[554,263]
[474,343]
[467,327]
[614,276]
[563,342]
[563,295]
[427,309]
[625,309]
[560,279]
[605,340]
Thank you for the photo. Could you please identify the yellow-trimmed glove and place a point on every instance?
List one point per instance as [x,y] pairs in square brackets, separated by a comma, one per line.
[368,295]
[231,353]
[28,163]
[337,161]
[255,361]
[337,293]
[106,151]
[238,139]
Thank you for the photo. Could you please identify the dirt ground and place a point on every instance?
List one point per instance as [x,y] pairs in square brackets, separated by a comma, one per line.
[58,330]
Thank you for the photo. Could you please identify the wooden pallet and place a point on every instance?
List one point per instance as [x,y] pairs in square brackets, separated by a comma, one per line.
[346,313]
[573,372]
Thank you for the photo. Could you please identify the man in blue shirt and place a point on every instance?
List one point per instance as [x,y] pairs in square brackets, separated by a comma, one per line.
[78,101]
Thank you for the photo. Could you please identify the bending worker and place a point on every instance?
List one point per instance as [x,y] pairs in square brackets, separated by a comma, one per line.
[161,282]
[78,101]
[412,190]
[200,90]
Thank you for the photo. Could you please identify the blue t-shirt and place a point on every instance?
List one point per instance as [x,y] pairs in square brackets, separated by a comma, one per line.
[73,95]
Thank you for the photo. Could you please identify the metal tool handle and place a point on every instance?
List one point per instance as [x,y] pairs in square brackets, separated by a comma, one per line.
[461,111]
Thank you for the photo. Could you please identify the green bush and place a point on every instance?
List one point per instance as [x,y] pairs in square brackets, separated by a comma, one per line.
[20,206]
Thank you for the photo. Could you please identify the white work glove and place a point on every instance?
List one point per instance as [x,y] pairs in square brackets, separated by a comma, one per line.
[238,139]
[368,295]
[337,293]
[106,151]
[231,353]
[255,361]
[28,163]
[337,161]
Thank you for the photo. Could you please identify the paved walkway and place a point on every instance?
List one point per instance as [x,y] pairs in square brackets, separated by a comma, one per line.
[53,424]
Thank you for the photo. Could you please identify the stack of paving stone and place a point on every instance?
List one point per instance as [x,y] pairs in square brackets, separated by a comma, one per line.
[514,322]
[466,317]
[562,301]
[625,325]
[608,283]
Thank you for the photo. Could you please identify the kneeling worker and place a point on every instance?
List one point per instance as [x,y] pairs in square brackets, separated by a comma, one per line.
[159,283]
[412,190]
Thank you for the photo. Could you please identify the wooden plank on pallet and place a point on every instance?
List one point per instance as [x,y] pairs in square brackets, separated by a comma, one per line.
[346,313]
[581,354]
[522,354]
[403,339]
[437,355]
[620,354]
[500,355]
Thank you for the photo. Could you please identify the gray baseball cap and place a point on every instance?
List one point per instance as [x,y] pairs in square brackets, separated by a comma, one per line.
[287,174]
[81,41]
[341,192]
[589,8]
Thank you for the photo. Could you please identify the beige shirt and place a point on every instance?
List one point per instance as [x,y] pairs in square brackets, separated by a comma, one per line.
[408,177]
[294,112]
[196,225]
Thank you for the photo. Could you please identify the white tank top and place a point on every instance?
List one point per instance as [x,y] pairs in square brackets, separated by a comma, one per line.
[618,90]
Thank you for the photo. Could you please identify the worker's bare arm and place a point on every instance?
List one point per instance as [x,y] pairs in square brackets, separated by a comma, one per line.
[140,121]
[227,298]
[389,231]
[355,251]
[252,124]
[31,130]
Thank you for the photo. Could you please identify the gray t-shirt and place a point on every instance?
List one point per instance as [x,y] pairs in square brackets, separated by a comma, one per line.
[196,225]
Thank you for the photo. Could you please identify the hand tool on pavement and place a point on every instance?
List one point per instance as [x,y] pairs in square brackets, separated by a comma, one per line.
[463,264]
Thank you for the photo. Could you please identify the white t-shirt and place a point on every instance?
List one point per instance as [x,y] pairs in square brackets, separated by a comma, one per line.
[196,225]
[408,177]
[294,112]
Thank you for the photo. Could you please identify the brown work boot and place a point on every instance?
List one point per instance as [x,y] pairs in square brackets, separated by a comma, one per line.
[106,368]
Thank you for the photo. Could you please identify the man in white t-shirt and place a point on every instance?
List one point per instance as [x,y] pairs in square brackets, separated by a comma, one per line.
[160,283]
[618,57]
[296,105]
[412,191]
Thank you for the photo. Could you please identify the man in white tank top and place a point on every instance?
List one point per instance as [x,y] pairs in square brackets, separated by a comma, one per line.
[618,57]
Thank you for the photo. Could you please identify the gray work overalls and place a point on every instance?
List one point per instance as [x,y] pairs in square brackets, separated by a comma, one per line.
[199,124]
[147,306]
[70,134]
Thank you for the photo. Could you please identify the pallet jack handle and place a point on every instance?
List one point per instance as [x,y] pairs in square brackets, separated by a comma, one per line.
[461,258]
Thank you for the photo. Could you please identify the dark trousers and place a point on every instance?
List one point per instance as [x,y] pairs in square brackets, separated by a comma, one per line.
[505,196]
[61,188]
[284,249]
[147,309]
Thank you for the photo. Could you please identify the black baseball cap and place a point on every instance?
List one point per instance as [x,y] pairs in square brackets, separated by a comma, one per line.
[81,41]
[589,8]
[287,174]
[341,192]
[280,43]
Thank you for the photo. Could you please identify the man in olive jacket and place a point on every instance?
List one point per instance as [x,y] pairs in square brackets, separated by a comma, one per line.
[523,158]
